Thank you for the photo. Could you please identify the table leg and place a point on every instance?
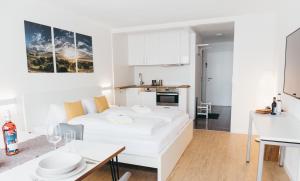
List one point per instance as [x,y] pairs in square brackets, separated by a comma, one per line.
[112,170]
[249,139]
[117,165]
[260,160]
[282,156]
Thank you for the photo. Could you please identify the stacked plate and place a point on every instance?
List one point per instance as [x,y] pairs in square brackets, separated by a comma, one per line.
[60,166]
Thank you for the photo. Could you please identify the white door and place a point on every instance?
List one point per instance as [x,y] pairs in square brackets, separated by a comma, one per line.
[218,63]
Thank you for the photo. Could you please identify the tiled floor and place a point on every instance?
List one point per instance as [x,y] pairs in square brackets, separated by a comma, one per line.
[220,124]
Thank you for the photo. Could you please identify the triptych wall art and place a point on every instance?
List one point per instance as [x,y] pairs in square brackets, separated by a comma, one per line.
[52,50]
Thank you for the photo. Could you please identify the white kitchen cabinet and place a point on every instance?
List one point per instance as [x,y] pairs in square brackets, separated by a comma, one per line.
[169,50]
[168,47]
[136,49]
[185,46]
[132,97]
[148,99]
[136,96]
[152,48]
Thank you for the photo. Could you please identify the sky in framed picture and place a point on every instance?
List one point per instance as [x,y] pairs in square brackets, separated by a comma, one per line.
[84,54]
[65,54]
[39,48]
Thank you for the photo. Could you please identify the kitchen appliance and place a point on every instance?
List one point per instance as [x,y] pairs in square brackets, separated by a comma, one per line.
[160,82]
[154,83]
[167,97]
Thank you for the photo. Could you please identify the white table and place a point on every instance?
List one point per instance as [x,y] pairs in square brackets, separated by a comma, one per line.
[102,153]
[282,130]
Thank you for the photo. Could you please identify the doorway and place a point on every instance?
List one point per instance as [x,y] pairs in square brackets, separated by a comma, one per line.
[215,63]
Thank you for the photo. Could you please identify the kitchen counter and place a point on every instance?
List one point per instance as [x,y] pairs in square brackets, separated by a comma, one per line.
[151,86]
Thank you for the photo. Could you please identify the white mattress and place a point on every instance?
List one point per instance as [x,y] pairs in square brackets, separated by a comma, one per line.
[137,144]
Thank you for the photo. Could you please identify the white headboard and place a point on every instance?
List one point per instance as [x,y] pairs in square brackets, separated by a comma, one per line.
[36,105]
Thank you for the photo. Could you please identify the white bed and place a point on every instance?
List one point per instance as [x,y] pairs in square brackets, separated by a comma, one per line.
[152,140]
[138,141]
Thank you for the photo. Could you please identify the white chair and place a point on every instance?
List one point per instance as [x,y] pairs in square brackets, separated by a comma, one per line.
[203,110]
[208,104]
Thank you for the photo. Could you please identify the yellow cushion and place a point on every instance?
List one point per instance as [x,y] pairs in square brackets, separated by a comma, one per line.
[101,103]
[73,109]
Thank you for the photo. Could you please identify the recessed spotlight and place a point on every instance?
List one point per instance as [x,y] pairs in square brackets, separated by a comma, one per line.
[219,34]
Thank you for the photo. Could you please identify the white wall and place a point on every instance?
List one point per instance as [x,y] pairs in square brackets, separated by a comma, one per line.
[123,74]
[198,67]
[288,22]
[14,78]
[220,60]
[254,62]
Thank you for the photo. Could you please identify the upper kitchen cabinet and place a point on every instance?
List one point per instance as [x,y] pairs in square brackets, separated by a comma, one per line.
[169,47]
[152,48]
[136,49]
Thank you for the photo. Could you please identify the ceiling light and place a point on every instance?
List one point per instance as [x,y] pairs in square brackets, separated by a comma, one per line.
[219,34]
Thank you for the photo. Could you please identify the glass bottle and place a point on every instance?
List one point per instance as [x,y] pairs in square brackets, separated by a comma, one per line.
[9,130]
[274,105]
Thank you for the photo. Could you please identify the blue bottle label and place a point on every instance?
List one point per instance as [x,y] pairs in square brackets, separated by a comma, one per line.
[11,141]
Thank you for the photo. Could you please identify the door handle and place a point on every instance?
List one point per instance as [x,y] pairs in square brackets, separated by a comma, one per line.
[209,78]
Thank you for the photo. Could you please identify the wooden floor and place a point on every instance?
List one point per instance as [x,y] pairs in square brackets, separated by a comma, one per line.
[211,156]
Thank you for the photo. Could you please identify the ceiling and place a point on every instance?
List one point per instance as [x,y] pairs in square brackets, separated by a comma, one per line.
[125,13]
[209,32]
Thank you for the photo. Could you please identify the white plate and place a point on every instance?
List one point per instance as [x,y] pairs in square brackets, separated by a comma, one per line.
[76,171]
[59,163]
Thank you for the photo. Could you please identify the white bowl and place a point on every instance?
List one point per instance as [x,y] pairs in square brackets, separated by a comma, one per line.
[41,176]
[59,163]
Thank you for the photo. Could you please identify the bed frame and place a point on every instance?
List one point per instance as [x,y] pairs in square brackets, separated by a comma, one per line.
[36,105]
[167,159]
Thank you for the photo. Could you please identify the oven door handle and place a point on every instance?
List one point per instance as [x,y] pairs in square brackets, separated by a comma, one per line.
[167,94]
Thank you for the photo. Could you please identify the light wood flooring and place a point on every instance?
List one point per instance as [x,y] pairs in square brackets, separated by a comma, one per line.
[211,156]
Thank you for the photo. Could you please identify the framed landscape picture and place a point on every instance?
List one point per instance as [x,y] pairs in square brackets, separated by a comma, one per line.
[39,48]
[65,54]
[84,49]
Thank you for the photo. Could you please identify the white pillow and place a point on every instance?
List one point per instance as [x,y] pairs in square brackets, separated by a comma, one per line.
[57,114]
[89,105]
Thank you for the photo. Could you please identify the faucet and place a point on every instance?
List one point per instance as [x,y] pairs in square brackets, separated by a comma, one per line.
[141,79]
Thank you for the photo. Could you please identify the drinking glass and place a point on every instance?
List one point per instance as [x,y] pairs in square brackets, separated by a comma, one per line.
[54,134]
[69,136]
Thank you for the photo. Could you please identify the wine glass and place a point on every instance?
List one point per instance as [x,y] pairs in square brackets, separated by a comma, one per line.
[54,134]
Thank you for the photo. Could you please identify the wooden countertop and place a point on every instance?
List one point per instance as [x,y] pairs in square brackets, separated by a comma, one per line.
[151,86]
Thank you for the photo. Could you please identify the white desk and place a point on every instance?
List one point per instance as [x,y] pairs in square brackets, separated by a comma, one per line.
[103,153]
[282,130]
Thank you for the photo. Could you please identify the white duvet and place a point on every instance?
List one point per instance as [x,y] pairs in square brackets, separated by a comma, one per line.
[146,134]
[113,122]
[161,113]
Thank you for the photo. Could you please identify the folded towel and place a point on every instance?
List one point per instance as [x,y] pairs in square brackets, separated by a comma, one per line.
[141,109]
[119,119]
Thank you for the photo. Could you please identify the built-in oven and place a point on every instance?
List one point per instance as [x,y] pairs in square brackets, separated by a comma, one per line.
[167,97]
